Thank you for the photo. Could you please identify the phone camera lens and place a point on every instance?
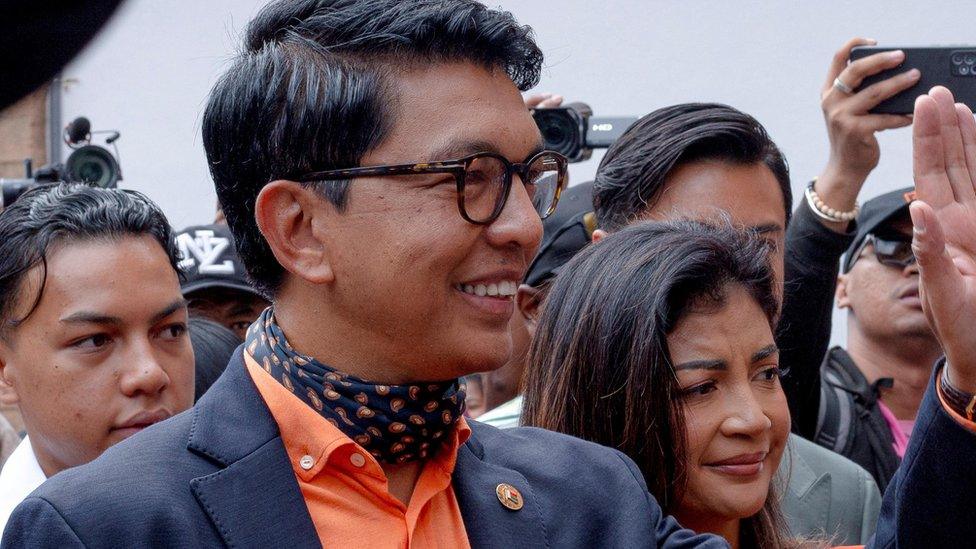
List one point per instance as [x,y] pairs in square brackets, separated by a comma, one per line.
[970,58]
[963,70]
[957,58]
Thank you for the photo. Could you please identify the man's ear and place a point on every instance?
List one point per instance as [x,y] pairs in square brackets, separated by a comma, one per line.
[840,292]
[291,218]
[528,300]
[598,235]
[8,393]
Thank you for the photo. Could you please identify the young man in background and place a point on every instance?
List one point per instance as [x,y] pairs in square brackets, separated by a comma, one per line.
[93,336]
[215,284]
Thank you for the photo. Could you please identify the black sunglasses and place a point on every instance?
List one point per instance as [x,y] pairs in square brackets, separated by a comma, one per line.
[893,252]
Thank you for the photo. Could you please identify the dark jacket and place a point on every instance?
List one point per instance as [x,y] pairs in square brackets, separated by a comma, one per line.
[812,261]
[928,502]
[851,422]
[218,475]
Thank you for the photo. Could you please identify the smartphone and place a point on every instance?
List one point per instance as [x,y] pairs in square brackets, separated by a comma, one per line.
[951,66]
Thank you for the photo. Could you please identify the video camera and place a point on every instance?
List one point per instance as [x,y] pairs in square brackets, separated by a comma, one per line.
[88,163]
[573,131]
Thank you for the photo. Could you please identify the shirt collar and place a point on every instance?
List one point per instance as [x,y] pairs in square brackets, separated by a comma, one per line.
[20,476]
[312,441]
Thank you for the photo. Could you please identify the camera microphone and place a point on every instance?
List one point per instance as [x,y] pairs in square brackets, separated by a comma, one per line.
[78,130]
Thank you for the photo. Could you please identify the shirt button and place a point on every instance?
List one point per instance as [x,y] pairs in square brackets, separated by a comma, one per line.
[357,459]
[306,462]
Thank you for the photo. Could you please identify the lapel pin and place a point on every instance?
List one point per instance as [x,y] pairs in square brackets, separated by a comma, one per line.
[509,496]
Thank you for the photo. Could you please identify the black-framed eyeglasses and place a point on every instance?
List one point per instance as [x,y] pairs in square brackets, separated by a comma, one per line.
[483,180]
[893,252]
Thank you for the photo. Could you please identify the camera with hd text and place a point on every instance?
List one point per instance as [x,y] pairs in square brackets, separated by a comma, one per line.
[574,132]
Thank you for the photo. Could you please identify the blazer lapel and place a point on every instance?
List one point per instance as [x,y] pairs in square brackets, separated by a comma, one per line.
[488,523]
[254,499]
[808,496]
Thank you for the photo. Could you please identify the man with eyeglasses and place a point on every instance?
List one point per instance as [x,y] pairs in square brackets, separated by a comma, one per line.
[385,184]
[871,391]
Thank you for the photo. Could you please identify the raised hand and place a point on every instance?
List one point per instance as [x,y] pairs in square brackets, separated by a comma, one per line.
[851,128]
[945,227]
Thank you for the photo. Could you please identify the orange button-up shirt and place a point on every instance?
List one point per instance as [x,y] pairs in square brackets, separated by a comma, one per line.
[346,490]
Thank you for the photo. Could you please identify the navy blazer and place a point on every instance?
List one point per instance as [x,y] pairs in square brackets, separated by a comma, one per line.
[218,474]
[929,502]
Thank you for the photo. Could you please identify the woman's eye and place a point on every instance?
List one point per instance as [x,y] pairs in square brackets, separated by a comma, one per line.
[701,389]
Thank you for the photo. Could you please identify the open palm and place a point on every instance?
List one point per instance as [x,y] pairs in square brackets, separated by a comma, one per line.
[945,224]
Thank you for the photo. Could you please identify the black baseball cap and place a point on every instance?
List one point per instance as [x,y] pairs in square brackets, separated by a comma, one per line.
[874,214]
[568,230]
[209,260]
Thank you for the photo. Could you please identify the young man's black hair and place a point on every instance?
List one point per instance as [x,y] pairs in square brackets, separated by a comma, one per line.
[633,173]
[313,91]
[55,213]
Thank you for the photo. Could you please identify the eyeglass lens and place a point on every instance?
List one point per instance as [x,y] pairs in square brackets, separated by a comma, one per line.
[485,187]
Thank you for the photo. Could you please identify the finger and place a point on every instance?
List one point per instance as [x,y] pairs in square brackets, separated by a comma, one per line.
[940,279]
[856,72]
[881,122]
[928,162]
[967,124]
[952,145]
[552,102]
[871,96]
[839,61]
[532,101]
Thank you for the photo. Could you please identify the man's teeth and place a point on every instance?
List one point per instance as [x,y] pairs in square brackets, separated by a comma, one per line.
[505,288]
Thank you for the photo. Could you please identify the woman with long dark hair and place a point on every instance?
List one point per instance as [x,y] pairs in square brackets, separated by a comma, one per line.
[658,341]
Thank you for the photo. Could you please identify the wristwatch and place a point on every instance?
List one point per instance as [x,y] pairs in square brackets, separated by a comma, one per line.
[961,402]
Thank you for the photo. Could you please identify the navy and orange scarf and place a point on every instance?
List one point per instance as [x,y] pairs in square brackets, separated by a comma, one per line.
[394,423]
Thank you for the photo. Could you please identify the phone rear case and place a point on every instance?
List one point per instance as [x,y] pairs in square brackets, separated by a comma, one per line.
[951,66]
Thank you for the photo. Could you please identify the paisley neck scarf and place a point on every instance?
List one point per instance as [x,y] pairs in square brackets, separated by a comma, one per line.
[394,423]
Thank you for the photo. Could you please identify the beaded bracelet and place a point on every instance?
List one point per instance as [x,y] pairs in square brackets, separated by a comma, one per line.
[824,211]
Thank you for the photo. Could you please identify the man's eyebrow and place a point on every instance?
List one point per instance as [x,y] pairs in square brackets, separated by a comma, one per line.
[91,317]
[765,352]
[170,309]
[767,228]
[465,148]
[702,365]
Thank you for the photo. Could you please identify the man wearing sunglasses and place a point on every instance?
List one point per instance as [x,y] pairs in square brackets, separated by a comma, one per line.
[871,391]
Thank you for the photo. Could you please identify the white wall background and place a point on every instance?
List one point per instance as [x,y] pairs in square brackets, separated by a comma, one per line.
[149,72]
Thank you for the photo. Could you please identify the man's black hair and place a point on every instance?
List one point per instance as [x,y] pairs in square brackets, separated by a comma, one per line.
[632,174]
[315,89]
[62,213]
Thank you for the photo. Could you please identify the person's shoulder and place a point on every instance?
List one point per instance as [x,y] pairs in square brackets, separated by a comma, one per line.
[151,467]
[851,486]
